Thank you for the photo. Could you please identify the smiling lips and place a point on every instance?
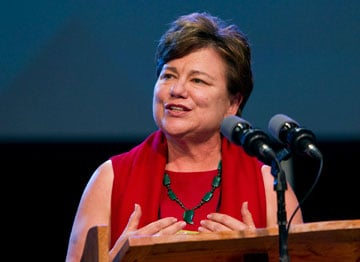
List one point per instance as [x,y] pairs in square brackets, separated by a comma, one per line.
[174,107]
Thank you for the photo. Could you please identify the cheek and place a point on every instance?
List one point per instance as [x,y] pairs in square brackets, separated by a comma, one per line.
[202,99]
[157,106]
[160,91]
[216,100]
[222,105]
[156,95]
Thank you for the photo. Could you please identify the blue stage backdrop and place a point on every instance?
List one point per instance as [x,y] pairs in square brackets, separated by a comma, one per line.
[79,70]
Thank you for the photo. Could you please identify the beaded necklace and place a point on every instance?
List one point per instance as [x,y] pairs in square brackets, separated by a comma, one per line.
[189,213]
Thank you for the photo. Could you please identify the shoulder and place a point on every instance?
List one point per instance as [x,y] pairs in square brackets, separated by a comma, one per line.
[101,180]
[267,176]
[105,170]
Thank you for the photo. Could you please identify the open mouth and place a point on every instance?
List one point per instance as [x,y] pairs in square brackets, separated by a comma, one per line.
[177,108]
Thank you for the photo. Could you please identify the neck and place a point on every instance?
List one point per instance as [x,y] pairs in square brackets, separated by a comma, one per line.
[184,156]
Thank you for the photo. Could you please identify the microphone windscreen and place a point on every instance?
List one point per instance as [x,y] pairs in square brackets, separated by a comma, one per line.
[229,124]
[277,122]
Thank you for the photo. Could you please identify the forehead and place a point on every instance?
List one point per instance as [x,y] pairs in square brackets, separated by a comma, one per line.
[206,60]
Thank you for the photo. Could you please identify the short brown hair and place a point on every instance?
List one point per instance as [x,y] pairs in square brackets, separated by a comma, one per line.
[198,30]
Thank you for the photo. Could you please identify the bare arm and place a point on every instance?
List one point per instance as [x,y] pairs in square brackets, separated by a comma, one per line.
[93,209]
[291,201]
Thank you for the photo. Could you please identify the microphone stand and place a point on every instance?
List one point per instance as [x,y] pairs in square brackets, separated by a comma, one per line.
[280,186]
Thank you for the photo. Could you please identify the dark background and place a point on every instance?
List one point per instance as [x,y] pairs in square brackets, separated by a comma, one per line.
[76,83]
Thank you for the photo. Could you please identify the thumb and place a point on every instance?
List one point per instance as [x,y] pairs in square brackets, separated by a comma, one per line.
[130,227]
[134,219]
[246,215]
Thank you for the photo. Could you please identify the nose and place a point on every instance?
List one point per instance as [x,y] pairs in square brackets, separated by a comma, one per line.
[178,89]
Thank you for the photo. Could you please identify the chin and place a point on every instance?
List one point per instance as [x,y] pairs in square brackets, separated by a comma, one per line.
[174,130]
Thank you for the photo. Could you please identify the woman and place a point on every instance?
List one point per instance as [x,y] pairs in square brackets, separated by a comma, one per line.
[186,176]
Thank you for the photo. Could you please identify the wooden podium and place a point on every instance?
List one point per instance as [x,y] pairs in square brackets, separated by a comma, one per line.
[316,241]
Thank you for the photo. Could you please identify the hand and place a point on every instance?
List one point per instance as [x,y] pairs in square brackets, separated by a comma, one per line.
[217,222]
[164,226]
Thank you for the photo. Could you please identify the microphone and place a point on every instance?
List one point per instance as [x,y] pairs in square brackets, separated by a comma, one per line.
[254,141]
[299,139]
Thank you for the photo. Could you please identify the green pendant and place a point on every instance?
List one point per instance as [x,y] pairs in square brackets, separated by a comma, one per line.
[188,216]
[207,196]
[166,180]
[216,181]
[171,194]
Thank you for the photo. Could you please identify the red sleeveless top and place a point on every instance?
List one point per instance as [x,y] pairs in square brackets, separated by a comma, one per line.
[138,177]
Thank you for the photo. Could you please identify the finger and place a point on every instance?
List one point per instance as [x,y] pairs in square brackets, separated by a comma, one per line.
[247,216]
[202,229]
[213,226]
[227,221]
[172,229]
[156,226]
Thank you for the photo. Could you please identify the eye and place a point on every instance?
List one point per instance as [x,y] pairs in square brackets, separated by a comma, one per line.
[198,81]
[166,76]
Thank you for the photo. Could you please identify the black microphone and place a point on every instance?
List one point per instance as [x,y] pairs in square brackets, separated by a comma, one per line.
[299,139]
[254,141]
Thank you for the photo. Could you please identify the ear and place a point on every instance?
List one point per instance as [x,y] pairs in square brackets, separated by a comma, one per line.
[234,104]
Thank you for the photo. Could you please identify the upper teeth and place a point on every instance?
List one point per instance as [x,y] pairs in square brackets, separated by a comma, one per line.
[177,108]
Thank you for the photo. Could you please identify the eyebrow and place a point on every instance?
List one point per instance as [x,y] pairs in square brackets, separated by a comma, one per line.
[192,72]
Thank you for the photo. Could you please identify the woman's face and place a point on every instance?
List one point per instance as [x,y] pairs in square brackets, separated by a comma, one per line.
[190,95]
